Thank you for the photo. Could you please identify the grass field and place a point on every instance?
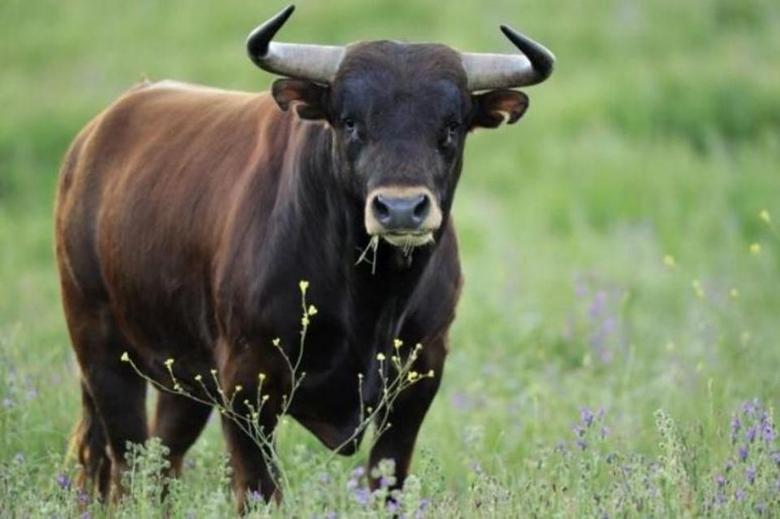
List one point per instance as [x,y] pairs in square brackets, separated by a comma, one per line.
[617,346]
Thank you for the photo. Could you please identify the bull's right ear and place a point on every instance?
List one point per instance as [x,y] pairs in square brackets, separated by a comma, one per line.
[311,99]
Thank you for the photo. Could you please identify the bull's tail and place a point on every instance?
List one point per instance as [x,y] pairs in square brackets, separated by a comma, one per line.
[88,445]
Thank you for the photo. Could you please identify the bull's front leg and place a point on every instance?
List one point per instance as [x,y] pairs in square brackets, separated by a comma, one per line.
[407,413]
[254,392]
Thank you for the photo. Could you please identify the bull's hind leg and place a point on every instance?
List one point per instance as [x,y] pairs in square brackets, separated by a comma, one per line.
[178,422]
[114,395]
[89,447]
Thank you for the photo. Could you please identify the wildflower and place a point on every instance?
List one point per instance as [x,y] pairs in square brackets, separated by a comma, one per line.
[764,215]
[736,425]
[359,472]
[362,496]
[380,357]
[238,388]
[168,363]
[743,453]
[312,310]
[63,481]
[720,481]
[755,248]
[397,343]
[586,416]
[739,495]
[82,497]
[669,262]
[198,378]
[305,321]
[264,398]
[412,376]
[276,342]
[776,458]
[214,372]
[303,285]
[430,373]
[177,387]
[125,357]
[261,376]
[255,497]
[750,474]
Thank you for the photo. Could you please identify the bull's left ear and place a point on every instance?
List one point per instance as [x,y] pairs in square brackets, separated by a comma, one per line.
[310,98]
[492,108]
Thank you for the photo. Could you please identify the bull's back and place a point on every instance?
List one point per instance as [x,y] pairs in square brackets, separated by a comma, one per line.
[146,194]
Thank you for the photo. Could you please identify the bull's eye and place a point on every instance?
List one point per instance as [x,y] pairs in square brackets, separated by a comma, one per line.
[450,133]
[350,127]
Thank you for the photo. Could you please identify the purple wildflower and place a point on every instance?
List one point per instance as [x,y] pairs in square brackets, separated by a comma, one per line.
[362,496]
[767,433]
[586,416]
[743,453]
[63,481]
[720,480]
[358,472]
[776,458]
[582,444]
[384,482]
[736,425]
[739,495]
[750,434]
[392,506]
[255,496]
[750,474]
[86,515]
[82,497]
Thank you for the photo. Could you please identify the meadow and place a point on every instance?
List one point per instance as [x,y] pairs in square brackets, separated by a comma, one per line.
[617,346]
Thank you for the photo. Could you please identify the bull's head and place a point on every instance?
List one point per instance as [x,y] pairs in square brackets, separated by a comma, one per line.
[400,114]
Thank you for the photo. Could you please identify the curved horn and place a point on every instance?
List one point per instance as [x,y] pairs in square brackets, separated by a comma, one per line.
[489,71]
[313,62]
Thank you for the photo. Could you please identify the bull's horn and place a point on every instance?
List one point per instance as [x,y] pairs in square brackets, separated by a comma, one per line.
[313,62]
[489,71]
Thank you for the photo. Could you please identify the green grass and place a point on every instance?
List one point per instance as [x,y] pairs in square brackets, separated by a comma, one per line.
[659,134]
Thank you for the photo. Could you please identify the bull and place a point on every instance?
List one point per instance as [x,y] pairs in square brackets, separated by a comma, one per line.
[186,217]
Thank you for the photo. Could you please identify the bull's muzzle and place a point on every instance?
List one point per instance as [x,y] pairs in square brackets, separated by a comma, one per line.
[402,216]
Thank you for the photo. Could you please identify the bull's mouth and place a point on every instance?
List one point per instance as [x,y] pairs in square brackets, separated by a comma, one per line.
[407,240]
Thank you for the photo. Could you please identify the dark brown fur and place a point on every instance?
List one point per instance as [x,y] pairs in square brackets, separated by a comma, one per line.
[186,218]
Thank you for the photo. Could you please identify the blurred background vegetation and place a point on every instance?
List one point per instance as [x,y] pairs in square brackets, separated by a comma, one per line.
[605,238]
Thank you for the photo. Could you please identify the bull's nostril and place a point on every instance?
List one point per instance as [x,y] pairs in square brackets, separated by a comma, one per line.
[421,208]
[381,210]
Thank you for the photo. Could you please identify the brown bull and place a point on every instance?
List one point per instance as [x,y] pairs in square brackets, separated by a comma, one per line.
[186,217]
